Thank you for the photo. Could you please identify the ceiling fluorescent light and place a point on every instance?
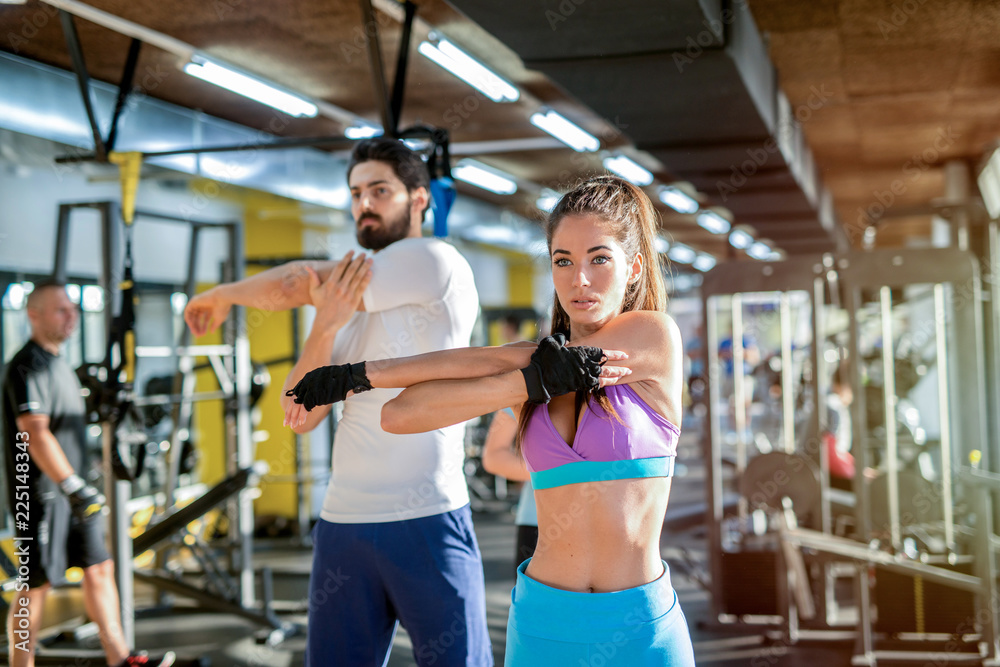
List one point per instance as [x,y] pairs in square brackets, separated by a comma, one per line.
[713,222]
[661,245]
[565,131]
[468,69]
[360,131]
[681,253]
[740,237]
[989,184]
[678,200]
[704,262]
[251,87]
[484,177]
[760,250]
[547,200]
[628,169]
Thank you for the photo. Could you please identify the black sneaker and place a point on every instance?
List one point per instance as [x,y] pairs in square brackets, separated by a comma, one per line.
[142,659]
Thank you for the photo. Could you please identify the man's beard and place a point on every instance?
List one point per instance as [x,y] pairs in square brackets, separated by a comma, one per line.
[386,232]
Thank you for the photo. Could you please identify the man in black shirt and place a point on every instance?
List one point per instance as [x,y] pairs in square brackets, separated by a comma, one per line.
[57,514]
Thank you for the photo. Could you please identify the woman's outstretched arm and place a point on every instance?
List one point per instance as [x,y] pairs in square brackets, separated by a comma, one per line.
[457,364]
[456,385]
[432,405]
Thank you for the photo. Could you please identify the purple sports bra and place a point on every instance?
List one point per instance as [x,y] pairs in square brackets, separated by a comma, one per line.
[603,449]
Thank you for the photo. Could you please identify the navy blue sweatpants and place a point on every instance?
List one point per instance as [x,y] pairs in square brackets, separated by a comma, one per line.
[426,573]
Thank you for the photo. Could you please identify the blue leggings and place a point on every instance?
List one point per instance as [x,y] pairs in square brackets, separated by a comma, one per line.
[637,627]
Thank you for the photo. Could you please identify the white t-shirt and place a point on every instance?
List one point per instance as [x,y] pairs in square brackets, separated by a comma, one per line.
[422,298]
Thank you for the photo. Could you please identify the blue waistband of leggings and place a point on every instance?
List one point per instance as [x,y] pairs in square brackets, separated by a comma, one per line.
[603,471]
[544,611]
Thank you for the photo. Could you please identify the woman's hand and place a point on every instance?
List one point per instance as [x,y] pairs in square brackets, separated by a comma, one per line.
[556,369]
[338,298]
[324,386]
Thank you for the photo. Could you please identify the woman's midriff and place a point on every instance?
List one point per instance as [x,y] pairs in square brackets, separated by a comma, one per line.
[600,536]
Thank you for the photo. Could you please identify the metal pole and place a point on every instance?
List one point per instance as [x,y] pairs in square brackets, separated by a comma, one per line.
[83,80]
[244,427]
[399,85]
[378,70]
[302,469]
[889,399]
[712,440]
[787,400]
[985,569]
[184,381]
[945,414]
[859,420]
[124,89]
[956,189]
[118,492]
[62,246]
[821,386]
[739,393]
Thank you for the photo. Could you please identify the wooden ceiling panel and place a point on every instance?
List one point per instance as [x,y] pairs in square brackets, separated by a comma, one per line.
[892,75]
[903,110]
[797,16]
[873,24]
[984,29]
[896,71]
[923,144]
[980,70]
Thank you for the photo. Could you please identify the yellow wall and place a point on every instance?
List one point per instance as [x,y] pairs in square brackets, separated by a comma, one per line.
[272,228]
[520,282]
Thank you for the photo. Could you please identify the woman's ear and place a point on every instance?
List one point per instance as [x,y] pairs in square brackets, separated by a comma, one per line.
[636,268]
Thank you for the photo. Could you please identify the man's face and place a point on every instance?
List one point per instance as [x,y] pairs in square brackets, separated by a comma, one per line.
[381,205]
[53,316]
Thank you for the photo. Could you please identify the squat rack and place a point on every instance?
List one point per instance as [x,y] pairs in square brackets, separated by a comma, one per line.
[231,361]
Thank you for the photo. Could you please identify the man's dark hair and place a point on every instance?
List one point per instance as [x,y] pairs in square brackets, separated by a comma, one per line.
[407,165]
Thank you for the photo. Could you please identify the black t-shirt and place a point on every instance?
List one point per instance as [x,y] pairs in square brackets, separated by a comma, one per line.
[40,382]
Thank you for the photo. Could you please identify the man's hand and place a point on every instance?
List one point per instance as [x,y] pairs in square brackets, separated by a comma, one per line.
[84,500]
[338,298]
[206,312]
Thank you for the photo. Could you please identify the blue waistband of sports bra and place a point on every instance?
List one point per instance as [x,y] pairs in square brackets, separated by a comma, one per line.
[602,471]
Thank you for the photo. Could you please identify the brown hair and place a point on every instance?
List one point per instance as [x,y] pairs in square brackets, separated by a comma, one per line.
[633,221]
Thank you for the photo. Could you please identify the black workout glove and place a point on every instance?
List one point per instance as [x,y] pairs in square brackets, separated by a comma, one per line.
[556,369]
[84,500]
[329,384]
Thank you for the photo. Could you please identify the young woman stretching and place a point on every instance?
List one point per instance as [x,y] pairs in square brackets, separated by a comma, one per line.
[599,440]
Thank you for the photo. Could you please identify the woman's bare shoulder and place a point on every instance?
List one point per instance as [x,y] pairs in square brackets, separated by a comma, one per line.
[641,328]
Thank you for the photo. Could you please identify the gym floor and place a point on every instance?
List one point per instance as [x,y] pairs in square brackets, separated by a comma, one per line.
[227,640]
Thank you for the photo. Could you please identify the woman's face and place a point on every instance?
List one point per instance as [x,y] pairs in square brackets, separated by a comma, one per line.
[590,272]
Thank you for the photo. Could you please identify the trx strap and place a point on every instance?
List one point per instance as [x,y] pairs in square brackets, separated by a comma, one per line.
[121,336]
[442,186]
